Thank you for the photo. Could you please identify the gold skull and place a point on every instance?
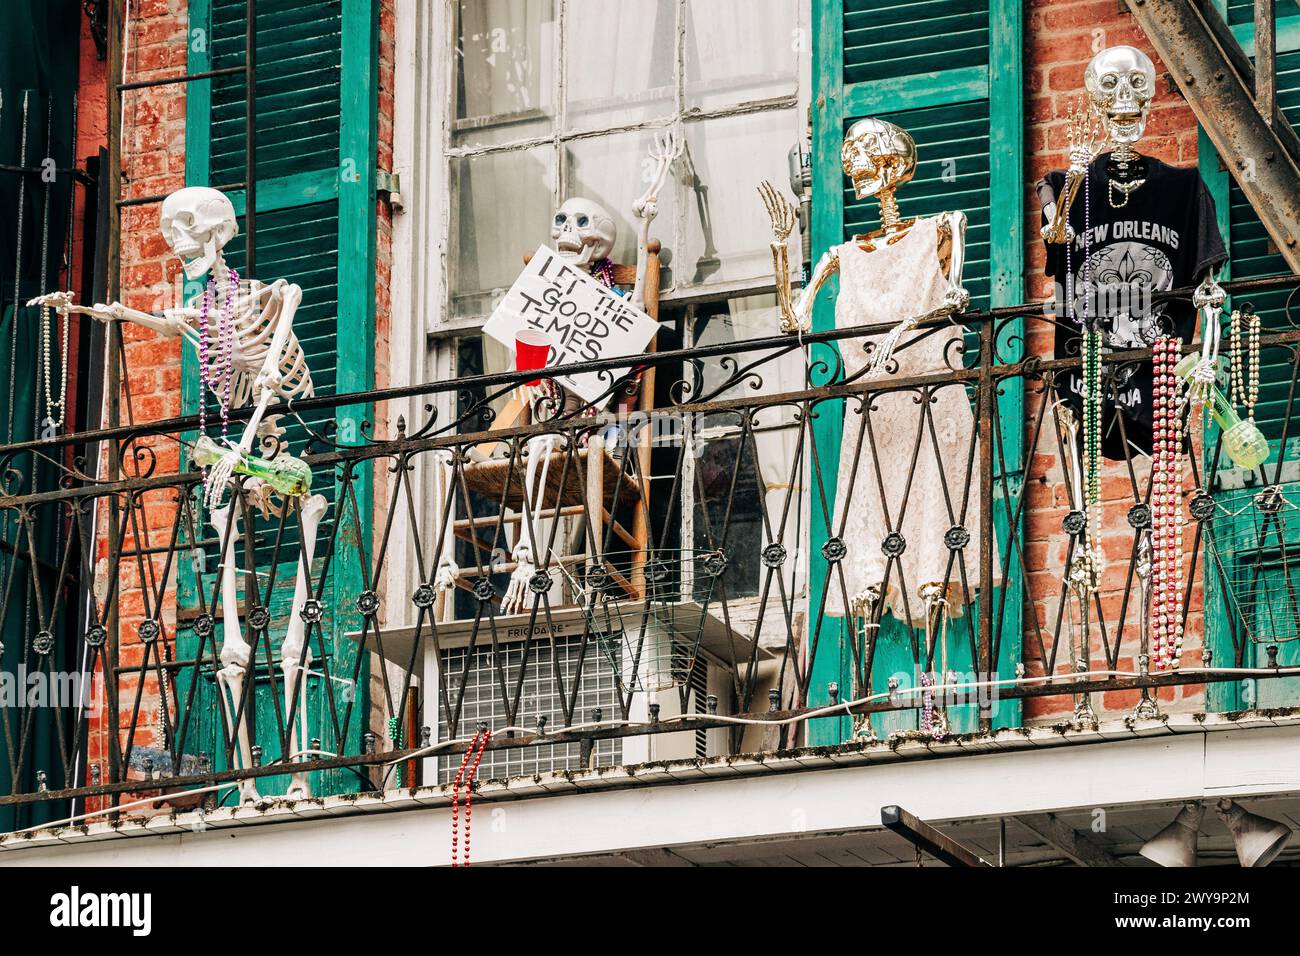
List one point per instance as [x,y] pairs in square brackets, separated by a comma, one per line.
[878,156]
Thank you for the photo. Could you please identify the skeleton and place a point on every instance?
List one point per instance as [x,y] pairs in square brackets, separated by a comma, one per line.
[1120,84]
[268,365]
[584,233]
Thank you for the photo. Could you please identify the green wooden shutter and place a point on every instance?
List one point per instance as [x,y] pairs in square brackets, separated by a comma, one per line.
[926,67]
[315,226]
[1249,570]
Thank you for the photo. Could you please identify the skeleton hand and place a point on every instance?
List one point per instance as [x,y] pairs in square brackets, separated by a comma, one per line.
[663,151]
[61,302]
[779,210]
[516,590]
[219,477]
[1200,380]
[1046,232]
[884,350]
[445,578]
[1082,131]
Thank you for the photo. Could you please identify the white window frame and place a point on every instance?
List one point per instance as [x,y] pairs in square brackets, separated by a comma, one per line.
[422,338]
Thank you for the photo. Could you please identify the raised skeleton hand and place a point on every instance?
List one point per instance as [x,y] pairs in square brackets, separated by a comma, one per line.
[783,217]
[779,210]
[1082,131]
[663,152]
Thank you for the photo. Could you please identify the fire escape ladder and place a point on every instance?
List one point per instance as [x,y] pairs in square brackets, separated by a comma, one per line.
[1236,104]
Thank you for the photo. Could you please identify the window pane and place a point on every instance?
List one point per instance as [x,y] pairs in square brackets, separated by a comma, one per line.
[620,61]
[740,50]
[505,70]
[501,210]
[614,171]
[727,229]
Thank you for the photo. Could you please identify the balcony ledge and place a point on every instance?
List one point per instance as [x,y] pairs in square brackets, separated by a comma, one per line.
[1176,758]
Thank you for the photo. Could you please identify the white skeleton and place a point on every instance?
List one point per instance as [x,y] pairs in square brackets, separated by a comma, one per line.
[268,365]
[584,232]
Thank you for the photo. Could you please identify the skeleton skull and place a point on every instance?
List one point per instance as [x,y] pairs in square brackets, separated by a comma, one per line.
[877,155]
[197,222]
[583,231]
[1120,81]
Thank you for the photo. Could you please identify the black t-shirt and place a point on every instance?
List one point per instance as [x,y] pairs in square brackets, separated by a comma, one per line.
[1165,237]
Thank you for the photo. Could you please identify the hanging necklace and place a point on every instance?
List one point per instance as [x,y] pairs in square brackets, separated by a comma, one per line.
[1122,157]
[602,270]
[216,381]
[1124,189]
[54,410]
[1167,516]
[1244,383]
[474,752]
[227,352]
[1092,345]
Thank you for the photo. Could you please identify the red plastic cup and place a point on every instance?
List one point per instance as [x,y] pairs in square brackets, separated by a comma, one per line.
[532,348]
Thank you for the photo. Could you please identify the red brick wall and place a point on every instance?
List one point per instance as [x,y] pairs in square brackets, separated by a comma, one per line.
[153,163]
[1061,36]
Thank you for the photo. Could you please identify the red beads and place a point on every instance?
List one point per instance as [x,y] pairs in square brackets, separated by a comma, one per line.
[475,752]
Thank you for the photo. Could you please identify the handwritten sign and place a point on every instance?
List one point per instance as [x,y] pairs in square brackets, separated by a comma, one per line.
[585,320]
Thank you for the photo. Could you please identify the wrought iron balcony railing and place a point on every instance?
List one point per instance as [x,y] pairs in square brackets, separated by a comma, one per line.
[664,571]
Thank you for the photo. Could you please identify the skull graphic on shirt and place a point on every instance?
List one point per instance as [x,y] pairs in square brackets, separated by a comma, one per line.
[1121,280]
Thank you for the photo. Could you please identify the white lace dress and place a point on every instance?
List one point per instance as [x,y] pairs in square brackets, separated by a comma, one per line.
[889,284]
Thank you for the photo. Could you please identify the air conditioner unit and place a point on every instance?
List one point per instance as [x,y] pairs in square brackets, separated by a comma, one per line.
[678,665]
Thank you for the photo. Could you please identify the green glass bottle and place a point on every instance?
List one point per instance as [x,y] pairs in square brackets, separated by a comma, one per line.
[1242,440]
[289,476]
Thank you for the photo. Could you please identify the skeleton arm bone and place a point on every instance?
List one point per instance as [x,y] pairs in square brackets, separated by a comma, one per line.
[1208,300]
[796,316]
[172,323]
[1082,130]
[663,152]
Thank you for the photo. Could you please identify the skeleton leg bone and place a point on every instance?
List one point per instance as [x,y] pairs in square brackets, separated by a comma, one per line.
[295,653]
[1076,576]
[235,651]
[867,607]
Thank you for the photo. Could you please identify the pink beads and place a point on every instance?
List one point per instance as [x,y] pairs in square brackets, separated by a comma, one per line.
[1166,511]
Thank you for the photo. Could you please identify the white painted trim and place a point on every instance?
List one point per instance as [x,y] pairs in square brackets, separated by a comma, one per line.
[722,801]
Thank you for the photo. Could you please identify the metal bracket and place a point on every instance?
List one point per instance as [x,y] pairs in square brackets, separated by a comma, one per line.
[927,839]
[390,184]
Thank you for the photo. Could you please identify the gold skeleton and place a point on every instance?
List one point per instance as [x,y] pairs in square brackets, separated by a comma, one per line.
[878,157]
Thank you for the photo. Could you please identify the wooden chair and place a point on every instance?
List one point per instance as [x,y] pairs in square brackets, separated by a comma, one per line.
[596,482]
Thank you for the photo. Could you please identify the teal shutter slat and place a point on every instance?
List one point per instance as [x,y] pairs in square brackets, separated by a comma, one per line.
[299,59]
[884,40]
[924,65]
